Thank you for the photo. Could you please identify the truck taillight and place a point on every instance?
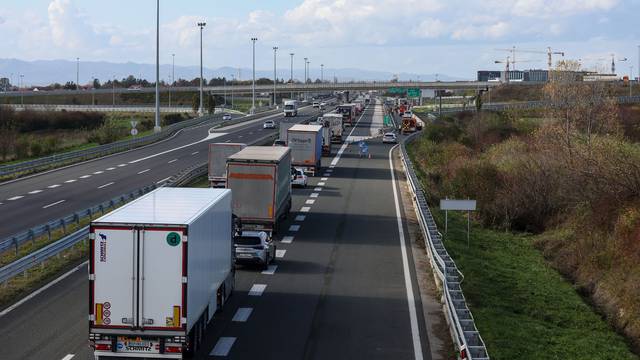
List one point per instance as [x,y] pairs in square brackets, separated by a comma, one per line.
[173,349]
[103,347]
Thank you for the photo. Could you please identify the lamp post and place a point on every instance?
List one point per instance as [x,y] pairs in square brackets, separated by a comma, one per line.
[113,90]
[630,79]
[157,114]
[200,109]
[21,91]
[233,80]
[253,83]
[321,73]
[93,91]
[305,77]
[291,79]
[275,76]
[173,75]
[77,73]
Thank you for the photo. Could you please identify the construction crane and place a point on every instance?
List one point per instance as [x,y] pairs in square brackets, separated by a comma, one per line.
[549,53]
[613,61]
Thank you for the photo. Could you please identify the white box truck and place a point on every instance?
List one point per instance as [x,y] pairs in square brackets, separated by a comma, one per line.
[290,108]
[159,268]
[260,178]
[336,127]
[284,129]
[218,154]
[305,142]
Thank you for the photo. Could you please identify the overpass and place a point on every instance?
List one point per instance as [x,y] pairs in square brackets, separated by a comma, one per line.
[280,88]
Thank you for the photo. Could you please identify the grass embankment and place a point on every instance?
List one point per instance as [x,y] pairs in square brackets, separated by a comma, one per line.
[523,307]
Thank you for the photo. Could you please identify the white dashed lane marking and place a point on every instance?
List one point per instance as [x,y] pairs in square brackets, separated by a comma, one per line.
[85,176]
[143,171]
[317,189]
[287,240]
[270,270]
[122,165]
[98,172]
[324,179]
[242,314]
[314,195]
[300,217]
[326,174]
[280,253]
[53,204]
[165,179]
[294,227]
[170,161]
[15,198]
[310,202]
[34,192]
[257,289]
[195,152]
[70,181]
[105,185]
[68,357]
[53,186]
[305,209]
[111,168]
[223,346]
[321,184]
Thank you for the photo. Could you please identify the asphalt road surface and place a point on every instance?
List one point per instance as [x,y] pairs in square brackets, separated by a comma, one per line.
[343,286]
[35,200]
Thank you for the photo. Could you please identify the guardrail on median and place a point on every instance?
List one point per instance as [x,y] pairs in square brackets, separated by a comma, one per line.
[461,324]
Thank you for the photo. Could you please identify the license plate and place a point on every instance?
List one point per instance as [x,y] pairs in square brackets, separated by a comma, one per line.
[137,345]
[244,255]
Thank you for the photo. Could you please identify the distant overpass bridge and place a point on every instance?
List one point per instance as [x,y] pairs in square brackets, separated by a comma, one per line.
[280,88]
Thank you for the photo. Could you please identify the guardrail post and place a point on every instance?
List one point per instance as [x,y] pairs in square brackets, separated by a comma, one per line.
[32,237]
[64,226]
[48,227]
[15,244]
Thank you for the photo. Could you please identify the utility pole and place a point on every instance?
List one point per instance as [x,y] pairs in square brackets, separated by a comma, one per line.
[113,90]
[21,91]
[253,84]
[157,115]
[93,91]
[275,76]
[200,110]
[630,79]
[305,77]
[321,73]
[173,75]
[77,73]
[233,80]
[291,78]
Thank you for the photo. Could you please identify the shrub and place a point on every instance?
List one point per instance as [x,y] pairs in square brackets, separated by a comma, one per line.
[172,119]
[36,148]
[21,148]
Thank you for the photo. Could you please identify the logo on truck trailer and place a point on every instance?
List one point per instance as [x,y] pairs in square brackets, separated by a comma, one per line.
[173,239]
[103,247]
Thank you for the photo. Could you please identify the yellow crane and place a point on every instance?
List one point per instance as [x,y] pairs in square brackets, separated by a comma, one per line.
[549,53]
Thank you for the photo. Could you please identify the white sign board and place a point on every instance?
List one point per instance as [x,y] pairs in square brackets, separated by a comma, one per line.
[134,132]
[134,123]
[458,205]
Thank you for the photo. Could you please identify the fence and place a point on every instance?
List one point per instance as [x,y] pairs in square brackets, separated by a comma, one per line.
[461,324]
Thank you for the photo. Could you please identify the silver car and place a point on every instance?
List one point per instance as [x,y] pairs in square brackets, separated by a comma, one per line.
[254,247]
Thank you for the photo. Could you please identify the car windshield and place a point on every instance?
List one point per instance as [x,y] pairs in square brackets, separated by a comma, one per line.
[288,107]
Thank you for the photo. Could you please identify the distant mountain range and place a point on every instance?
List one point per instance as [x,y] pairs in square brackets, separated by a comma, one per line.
[44,72]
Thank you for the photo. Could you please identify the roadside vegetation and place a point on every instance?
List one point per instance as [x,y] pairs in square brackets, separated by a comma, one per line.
[32,134]
[570,174]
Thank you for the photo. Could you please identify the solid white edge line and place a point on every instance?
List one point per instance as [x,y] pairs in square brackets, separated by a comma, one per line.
[165,179]
[37,292]
[415,331]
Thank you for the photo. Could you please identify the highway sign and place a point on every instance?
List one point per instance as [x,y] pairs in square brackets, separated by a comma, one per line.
[413,93]
[134,132]
[469,205]
[134,123]
[397,90]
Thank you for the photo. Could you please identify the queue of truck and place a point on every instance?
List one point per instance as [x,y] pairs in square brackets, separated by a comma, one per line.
[162,265]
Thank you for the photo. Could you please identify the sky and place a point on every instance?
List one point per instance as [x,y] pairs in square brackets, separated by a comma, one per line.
[453,37]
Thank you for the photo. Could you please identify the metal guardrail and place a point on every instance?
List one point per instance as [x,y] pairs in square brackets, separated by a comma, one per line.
[461,324]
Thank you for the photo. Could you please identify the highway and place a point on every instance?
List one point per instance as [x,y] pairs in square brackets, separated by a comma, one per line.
[343,287]
[34,200]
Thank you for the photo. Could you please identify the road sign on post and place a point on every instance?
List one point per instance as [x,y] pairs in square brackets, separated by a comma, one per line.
[396,90]
[413,93]
[461,205]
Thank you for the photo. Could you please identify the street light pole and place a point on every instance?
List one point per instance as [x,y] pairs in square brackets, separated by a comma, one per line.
[233,80]
[291,79]
[630,79]
[157,115]
[253,84]
[200,110]
[21,91]
[77,73]
[275,76]
[305,77]
[93,91]
[173,75]
[113,90]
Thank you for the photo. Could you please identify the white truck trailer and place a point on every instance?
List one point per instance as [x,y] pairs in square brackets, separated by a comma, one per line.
[159,268]
[260,178]
[284,129]
[305,142]
[336,127]
[218,154]
[290,108]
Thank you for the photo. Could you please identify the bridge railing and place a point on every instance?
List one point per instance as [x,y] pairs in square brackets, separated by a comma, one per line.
[466,337]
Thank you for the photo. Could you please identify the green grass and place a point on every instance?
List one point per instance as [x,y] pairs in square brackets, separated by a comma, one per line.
[523,308]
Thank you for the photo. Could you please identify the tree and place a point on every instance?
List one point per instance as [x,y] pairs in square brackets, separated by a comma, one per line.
[8,130]
[210,103]
[195,102]
[70,85]
[96,84]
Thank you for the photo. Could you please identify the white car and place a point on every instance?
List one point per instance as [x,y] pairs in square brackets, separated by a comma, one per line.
[226,117]
[389,138]
[269,124]
[298,178]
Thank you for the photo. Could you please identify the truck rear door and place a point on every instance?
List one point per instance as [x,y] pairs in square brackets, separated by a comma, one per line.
[254,189]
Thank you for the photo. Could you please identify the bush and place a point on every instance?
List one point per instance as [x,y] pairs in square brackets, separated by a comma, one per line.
[36,148]
[21,148]
[172,119]
[51,145]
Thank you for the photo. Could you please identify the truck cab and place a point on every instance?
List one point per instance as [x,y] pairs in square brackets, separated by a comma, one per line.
[290,108]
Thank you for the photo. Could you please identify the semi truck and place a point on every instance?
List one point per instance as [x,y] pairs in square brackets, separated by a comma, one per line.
[334,122]
[284,129]
[218,154]
[260,178]
[305,142]
[159,268]
[408,124]
[290,108]
[348,112]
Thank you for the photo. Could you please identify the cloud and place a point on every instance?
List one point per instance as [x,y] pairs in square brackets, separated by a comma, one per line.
[430,28]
